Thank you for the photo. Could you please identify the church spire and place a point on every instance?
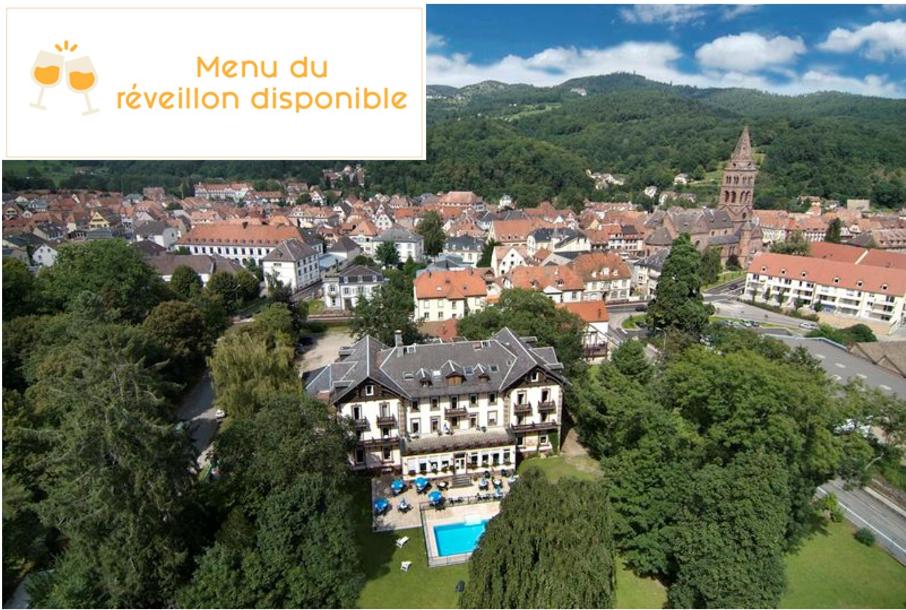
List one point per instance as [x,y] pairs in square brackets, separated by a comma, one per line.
[742,154]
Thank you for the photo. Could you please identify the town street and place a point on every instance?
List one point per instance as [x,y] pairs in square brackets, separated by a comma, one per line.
[865,509]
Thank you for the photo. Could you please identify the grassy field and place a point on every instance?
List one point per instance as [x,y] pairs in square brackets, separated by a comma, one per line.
[832,570]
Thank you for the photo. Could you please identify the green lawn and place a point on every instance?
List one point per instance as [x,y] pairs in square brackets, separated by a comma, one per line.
[832,570]
[579,467]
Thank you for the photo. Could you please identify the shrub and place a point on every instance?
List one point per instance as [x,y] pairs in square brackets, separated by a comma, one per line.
[865,536]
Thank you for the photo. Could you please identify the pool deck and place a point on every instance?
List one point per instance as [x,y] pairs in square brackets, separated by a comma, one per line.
[454,514]
[394,519]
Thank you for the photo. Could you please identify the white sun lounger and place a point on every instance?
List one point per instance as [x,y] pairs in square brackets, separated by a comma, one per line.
[405,565]
[400,542]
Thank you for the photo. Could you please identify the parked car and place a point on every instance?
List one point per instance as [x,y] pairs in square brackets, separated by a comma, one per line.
[641,308]
[808,325]
[219,414]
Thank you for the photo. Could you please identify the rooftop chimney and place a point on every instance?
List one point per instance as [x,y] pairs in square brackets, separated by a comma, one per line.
[397,338]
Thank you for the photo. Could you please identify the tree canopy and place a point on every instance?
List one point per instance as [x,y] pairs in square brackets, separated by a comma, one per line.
[551,546]
[389,309]
[431,228]
[678,305]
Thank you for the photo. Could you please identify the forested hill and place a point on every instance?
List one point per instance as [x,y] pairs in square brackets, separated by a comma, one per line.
[828,144]
[536,143]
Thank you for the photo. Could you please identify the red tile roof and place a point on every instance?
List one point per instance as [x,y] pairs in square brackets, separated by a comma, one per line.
[454,285]
[589,311]
[240,234]
[851,276]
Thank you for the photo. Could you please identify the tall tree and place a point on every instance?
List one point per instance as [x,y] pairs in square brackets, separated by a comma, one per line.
[834,230]
[710,265]
[117,479]
[112,270]
[678,304]
[19,291]
[386,254]
[629,358]
[551,546]
[487,251]
[247,371]
[226,288]
[389,309]
[431,228]
[179,328]
[286,542]
[185,282]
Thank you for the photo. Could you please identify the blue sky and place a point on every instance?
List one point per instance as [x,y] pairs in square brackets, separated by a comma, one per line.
[787,49]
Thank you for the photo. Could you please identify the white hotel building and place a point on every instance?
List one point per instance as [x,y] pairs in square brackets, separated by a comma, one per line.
[445,408]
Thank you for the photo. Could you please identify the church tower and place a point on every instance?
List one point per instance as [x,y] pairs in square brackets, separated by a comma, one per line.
[738,184]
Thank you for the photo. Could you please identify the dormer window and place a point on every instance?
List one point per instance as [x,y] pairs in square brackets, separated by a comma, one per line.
[763,269]
[803,274]
[859,284]
[883,286]
[369,390]
[836,280]
[536,375]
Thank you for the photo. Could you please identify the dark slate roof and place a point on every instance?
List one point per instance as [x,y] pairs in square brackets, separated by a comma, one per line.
[487,366]
[344,244]
[655,261]
[290,250]
[397,233]
[720,240]
[660,237]
[464,242]
[354,273]
[148,248]
[151,228]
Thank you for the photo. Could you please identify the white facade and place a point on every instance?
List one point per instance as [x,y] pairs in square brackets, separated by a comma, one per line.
[343,290]
[44,255]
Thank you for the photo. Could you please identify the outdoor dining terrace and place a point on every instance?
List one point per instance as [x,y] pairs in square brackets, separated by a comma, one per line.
[396,507]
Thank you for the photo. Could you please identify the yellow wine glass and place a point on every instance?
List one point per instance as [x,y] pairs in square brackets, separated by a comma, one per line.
[46,73]
[81,77]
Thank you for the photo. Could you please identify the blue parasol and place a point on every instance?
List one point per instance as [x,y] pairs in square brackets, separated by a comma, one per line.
[381,504]
[421,483]
[435,496]
[397,485]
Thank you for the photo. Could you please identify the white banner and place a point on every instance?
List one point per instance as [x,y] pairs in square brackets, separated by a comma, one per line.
[215,83]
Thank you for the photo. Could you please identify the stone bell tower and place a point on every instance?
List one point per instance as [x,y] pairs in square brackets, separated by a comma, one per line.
[737,187]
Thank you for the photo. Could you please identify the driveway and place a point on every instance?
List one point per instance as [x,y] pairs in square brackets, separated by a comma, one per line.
[866,509]
[198,409]
[326,348]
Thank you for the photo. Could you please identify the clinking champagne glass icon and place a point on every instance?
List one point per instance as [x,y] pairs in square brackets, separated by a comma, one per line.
[46,73]
[82,78]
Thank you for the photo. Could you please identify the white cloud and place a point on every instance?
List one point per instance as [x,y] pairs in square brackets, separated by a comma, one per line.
[435,41]
[749,52]
[728,13]
[672,14]
[656,61]
[555,65]
[881,39]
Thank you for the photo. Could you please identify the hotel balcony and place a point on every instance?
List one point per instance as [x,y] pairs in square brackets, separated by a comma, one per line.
[522,408]
[362,425]
[547,407]
[458,411]
[386,441]
[384,421]
[534,427]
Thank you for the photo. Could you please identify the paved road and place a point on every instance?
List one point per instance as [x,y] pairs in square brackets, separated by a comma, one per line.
[841,366]
[865,510]
[744,311]
[198,408]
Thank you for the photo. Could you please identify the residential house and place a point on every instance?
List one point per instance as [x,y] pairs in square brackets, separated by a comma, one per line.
[159,232]
[343,289]
[559,283]
[605,274]
[596,318]
[408,244]
[441,295]
[466,248]
[293,263]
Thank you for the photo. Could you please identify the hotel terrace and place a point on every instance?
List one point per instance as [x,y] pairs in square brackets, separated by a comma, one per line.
[443,409]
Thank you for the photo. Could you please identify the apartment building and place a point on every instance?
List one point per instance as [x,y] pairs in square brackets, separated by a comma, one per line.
[559,283]
[293,263]
[239,242]
[343,289]
[605,274]
[465,247]
[865,292]
[445,408]
[444,295]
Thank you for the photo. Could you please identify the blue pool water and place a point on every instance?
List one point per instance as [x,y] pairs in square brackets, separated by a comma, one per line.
[457,538]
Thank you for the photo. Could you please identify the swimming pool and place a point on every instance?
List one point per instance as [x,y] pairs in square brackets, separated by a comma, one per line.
[458,538]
